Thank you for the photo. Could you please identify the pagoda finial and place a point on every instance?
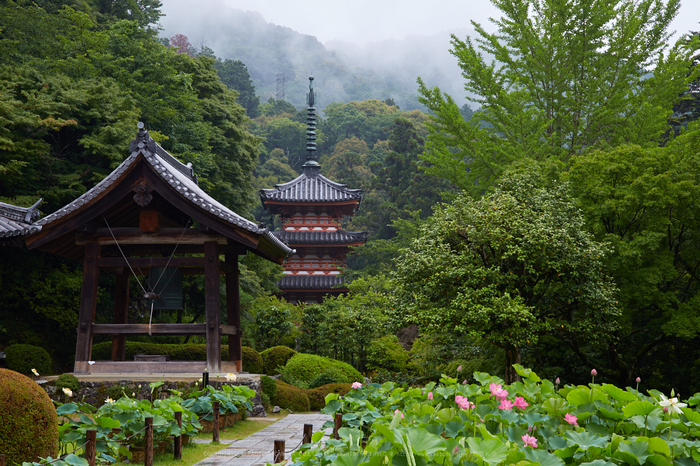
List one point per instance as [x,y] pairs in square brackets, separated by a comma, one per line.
[311,157]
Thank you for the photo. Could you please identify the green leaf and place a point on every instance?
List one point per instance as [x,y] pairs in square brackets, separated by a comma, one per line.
[585,440]
[691,415]
[526,373]
[350,459]
[316,436]
[492,451]
[74,460]
[554,406]
[424,442]
[639,407]
[617,393]
[332,406]
[67,408]
[543,457]
[634,453]
[108,422]
[598,463]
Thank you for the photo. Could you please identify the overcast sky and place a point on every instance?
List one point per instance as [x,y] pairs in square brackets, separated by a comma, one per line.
[362,21]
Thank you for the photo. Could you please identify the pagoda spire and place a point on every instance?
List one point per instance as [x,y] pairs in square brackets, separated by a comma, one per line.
[311,164]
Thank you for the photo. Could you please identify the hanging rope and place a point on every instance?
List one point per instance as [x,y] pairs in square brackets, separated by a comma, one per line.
[149,294]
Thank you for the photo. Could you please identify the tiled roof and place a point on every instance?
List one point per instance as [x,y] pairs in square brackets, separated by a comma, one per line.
[178,175]
[321,237]
[309,282]
[310,186]
[18,221]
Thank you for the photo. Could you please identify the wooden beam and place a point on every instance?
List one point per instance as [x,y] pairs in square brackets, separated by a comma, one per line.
[229,330]
[142,329]
[233,310]
[212,297]
[121,313]
[105,262]
[88,304]
[127,235]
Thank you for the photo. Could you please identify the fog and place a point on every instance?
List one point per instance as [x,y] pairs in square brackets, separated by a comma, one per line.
[357,49]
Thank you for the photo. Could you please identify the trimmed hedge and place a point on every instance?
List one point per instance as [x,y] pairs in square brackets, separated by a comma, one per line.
[275,357]
[303,368]
[67,381]
[29,427]
[317,396]
[23,358]
[291,397]
[252,361]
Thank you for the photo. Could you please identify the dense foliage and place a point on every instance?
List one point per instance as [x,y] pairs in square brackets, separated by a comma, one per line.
[532,421]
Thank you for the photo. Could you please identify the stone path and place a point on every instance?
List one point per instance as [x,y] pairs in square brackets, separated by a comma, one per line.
[256,449]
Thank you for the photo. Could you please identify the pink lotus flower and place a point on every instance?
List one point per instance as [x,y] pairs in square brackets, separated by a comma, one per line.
[571,419]
[493,387]
[506,405]
[356,385]
[520,402]
[464,382]
[557,381]
[397,412]
[529,441]
[430,395]
[459,369]
[594,372]
[463,402]
[638,380]
[455,450]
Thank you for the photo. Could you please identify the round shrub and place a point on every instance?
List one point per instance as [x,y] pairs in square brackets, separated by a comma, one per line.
[67,381]
[29,426]
[24,358]
[302,368]
[275,358]
[252,361]
[289,397]
[317,396]
[330,375]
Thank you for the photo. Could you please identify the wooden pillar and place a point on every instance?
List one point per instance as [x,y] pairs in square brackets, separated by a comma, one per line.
[88,304]
[212,297]
[233,310]
[121,313]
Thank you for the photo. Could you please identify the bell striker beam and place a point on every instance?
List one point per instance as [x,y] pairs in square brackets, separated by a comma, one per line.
[88,305]
[212,305]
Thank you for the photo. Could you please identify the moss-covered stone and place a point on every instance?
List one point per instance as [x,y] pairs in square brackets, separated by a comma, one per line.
[28,421]
[275,358]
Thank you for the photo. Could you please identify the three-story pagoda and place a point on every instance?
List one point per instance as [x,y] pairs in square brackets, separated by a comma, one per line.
[312,208]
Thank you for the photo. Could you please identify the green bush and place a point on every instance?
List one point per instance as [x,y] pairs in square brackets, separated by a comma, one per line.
[302,368]
[24,358]
[276,357]
[67,381]
[330,375]
[252,361]
[290,397]
[29,426]
[317,396]
[387,353]
[268,386]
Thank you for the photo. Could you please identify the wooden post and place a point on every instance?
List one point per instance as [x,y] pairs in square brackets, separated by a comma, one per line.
[91,447]
[148,454]
[338,418]
[88,304]
[278,451]
[205,379]
[121,313]
[308,431]
[178,439]
[364,442]
[212,297]
[2,460]
[233,310]
[215,422]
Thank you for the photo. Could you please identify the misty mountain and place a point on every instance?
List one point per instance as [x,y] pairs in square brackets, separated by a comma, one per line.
[344,72]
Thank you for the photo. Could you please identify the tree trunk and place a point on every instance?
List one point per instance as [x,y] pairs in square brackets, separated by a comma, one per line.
[512,357]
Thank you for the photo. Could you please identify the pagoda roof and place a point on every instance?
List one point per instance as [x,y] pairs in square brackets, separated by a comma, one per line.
[175,182]
[294,237]
[311,187]
[18,221]
[309,282]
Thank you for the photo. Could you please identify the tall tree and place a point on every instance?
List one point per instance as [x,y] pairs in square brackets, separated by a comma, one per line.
[567,76]
[235,75]
[512,267]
